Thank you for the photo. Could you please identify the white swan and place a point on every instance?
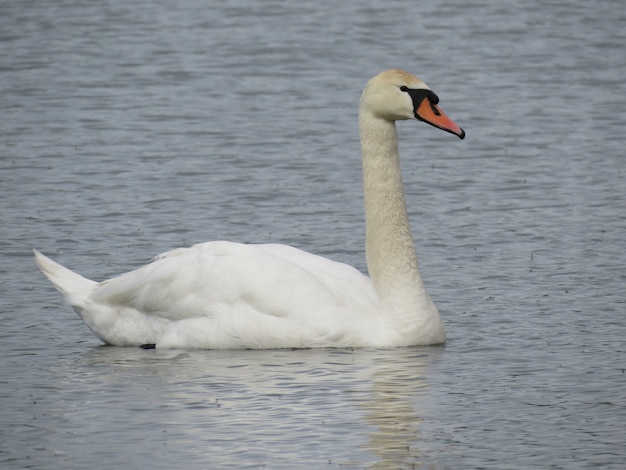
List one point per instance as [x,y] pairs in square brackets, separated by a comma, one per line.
[220,295]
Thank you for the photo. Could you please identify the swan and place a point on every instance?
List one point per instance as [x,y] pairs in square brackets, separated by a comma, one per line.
[225,295]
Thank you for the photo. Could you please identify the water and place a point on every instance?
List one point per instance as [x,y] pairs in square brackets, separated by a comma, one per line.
[129,128]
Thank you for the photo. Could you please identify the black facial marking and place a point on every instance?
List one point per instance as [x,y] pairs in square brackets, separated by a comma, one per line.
[418,95]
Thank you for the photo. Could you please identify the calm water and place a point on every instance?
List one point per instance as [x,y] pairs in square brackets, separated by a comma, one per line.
[128,128]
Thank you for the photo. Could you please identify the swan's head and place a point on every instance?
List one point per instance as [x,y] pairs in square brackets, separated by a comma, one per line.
[397,95]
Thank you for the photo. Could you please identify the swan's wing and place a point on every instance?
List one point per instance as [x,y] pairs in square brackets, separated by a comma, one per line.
[223,278]
[341,280]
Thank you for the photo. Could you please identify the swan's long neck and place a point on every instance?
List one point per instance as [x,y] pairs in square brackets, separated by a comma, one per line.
[391,258]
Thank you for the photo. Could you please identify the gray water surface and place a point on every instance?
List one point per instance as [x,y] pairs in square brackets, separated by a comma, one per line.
[130,128]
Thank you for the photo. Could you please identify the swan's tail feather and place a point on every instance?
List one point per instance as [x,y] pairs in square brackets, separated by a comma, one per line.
[74,287]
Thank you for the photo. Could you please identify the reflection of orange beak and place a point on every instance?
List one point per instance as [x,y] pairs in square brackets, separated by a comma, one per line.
[433,115]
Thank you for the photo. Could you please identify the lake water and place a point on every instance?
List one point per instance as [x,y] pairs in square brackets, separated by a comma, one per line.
[128,128]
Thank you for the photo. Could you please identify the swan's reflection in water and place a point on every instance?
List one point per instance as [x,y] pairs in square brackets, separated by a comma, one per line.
[359,409]
[396,407]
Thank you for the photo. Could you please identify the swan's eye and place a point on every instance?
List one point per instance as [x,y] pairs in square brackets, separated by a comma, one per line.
[404,88]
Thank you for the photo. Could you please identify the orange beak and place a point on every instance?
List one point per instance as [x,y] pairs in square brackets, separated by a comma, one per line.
[433,115]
